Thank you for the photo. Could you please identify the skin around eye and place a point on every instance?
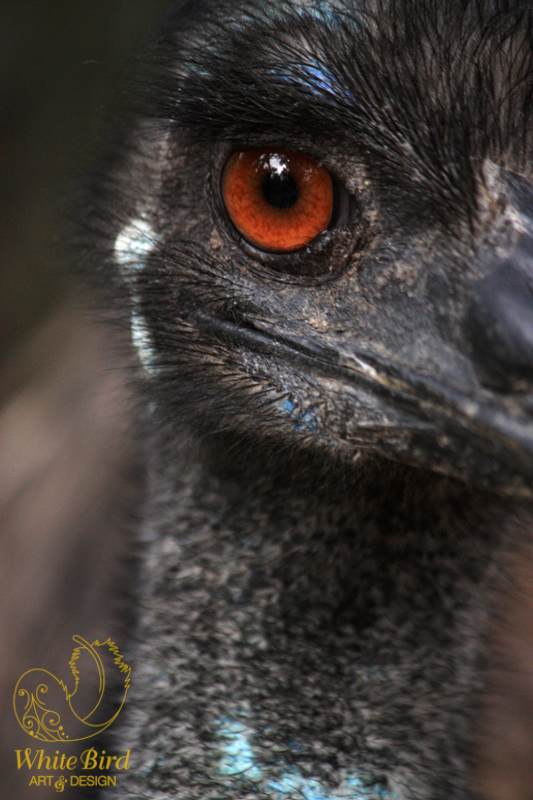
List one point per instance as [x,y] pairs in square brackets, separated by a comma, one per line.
[279,200]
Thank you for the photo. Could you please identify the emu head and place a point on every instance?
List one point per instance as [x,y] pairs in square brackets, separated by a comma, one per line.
[320,217]
[401,323]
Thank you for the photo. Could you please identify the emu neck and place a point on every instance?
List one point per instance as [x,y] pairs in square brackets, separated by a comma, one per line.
[309,631]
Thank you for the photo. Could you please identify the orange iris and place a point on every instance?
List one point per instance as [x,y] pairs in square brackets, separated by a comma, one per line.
[278,199]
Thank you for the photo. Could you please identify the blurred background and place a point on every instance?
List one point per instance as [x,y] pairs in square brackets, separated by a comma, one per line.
[66,463]
[60,68]
[65,459]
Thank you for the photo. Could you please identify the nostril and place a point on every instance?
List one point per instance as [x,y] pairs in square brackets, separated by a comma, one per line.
[499,324]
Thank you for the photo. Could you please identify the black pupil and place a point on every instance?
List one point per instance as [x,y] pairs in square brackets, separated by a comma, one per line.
[280,189]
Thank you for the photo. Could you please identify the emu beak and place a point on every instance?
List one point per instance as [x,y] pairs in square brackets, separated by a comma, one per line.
[486,438]
[485,435]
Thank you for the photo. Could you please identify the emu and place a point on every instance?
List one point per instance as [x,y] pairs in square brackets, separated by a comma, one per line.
[317,222]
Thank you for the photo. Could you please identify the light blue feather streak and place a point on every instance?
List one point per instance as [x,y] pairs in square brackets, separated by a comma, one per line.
[329,12]
[134,244]
[310,71]
[319,83]
[316,80]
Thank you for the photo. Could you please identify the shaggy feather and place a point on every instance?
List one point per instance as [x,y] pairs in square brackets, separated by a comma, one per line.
[312,615]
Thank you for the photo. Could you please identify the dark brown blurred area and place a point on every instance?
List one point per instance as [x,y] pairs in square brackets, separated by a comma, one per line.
[65,457]
[60,68]
[65,482]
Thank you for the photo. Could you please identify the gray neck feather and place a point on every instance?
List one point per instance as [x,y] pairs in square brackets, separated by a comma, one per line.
[303,636]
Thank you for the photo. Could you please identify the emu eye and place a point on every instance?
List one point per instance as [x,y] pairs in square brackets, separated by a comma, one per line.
[279,200]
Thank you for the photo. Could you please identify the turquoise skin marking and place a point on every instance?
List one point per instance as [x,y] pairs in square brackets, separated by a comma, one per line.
[293,785]
[238,757]
[308,422]
[288,406]
[304,421]
[239,761]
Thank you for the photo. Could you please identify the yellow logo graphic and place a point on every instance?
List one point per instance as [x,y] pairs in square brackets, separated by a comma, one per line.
[59,722]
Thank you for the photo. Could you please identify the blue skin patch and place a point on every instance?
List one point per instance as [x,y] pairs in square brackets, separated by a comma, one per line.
[239,761]
[290,784]
[238,757]
[308,422]
[293,785]
[304,421]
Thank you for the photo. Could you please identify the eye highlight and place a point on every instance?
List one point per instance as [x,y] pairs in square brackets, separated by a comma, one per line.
[279,200]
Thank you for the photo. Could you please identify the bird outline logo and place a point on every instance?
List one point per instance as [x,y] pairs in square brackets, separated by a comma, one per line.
[59,721]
